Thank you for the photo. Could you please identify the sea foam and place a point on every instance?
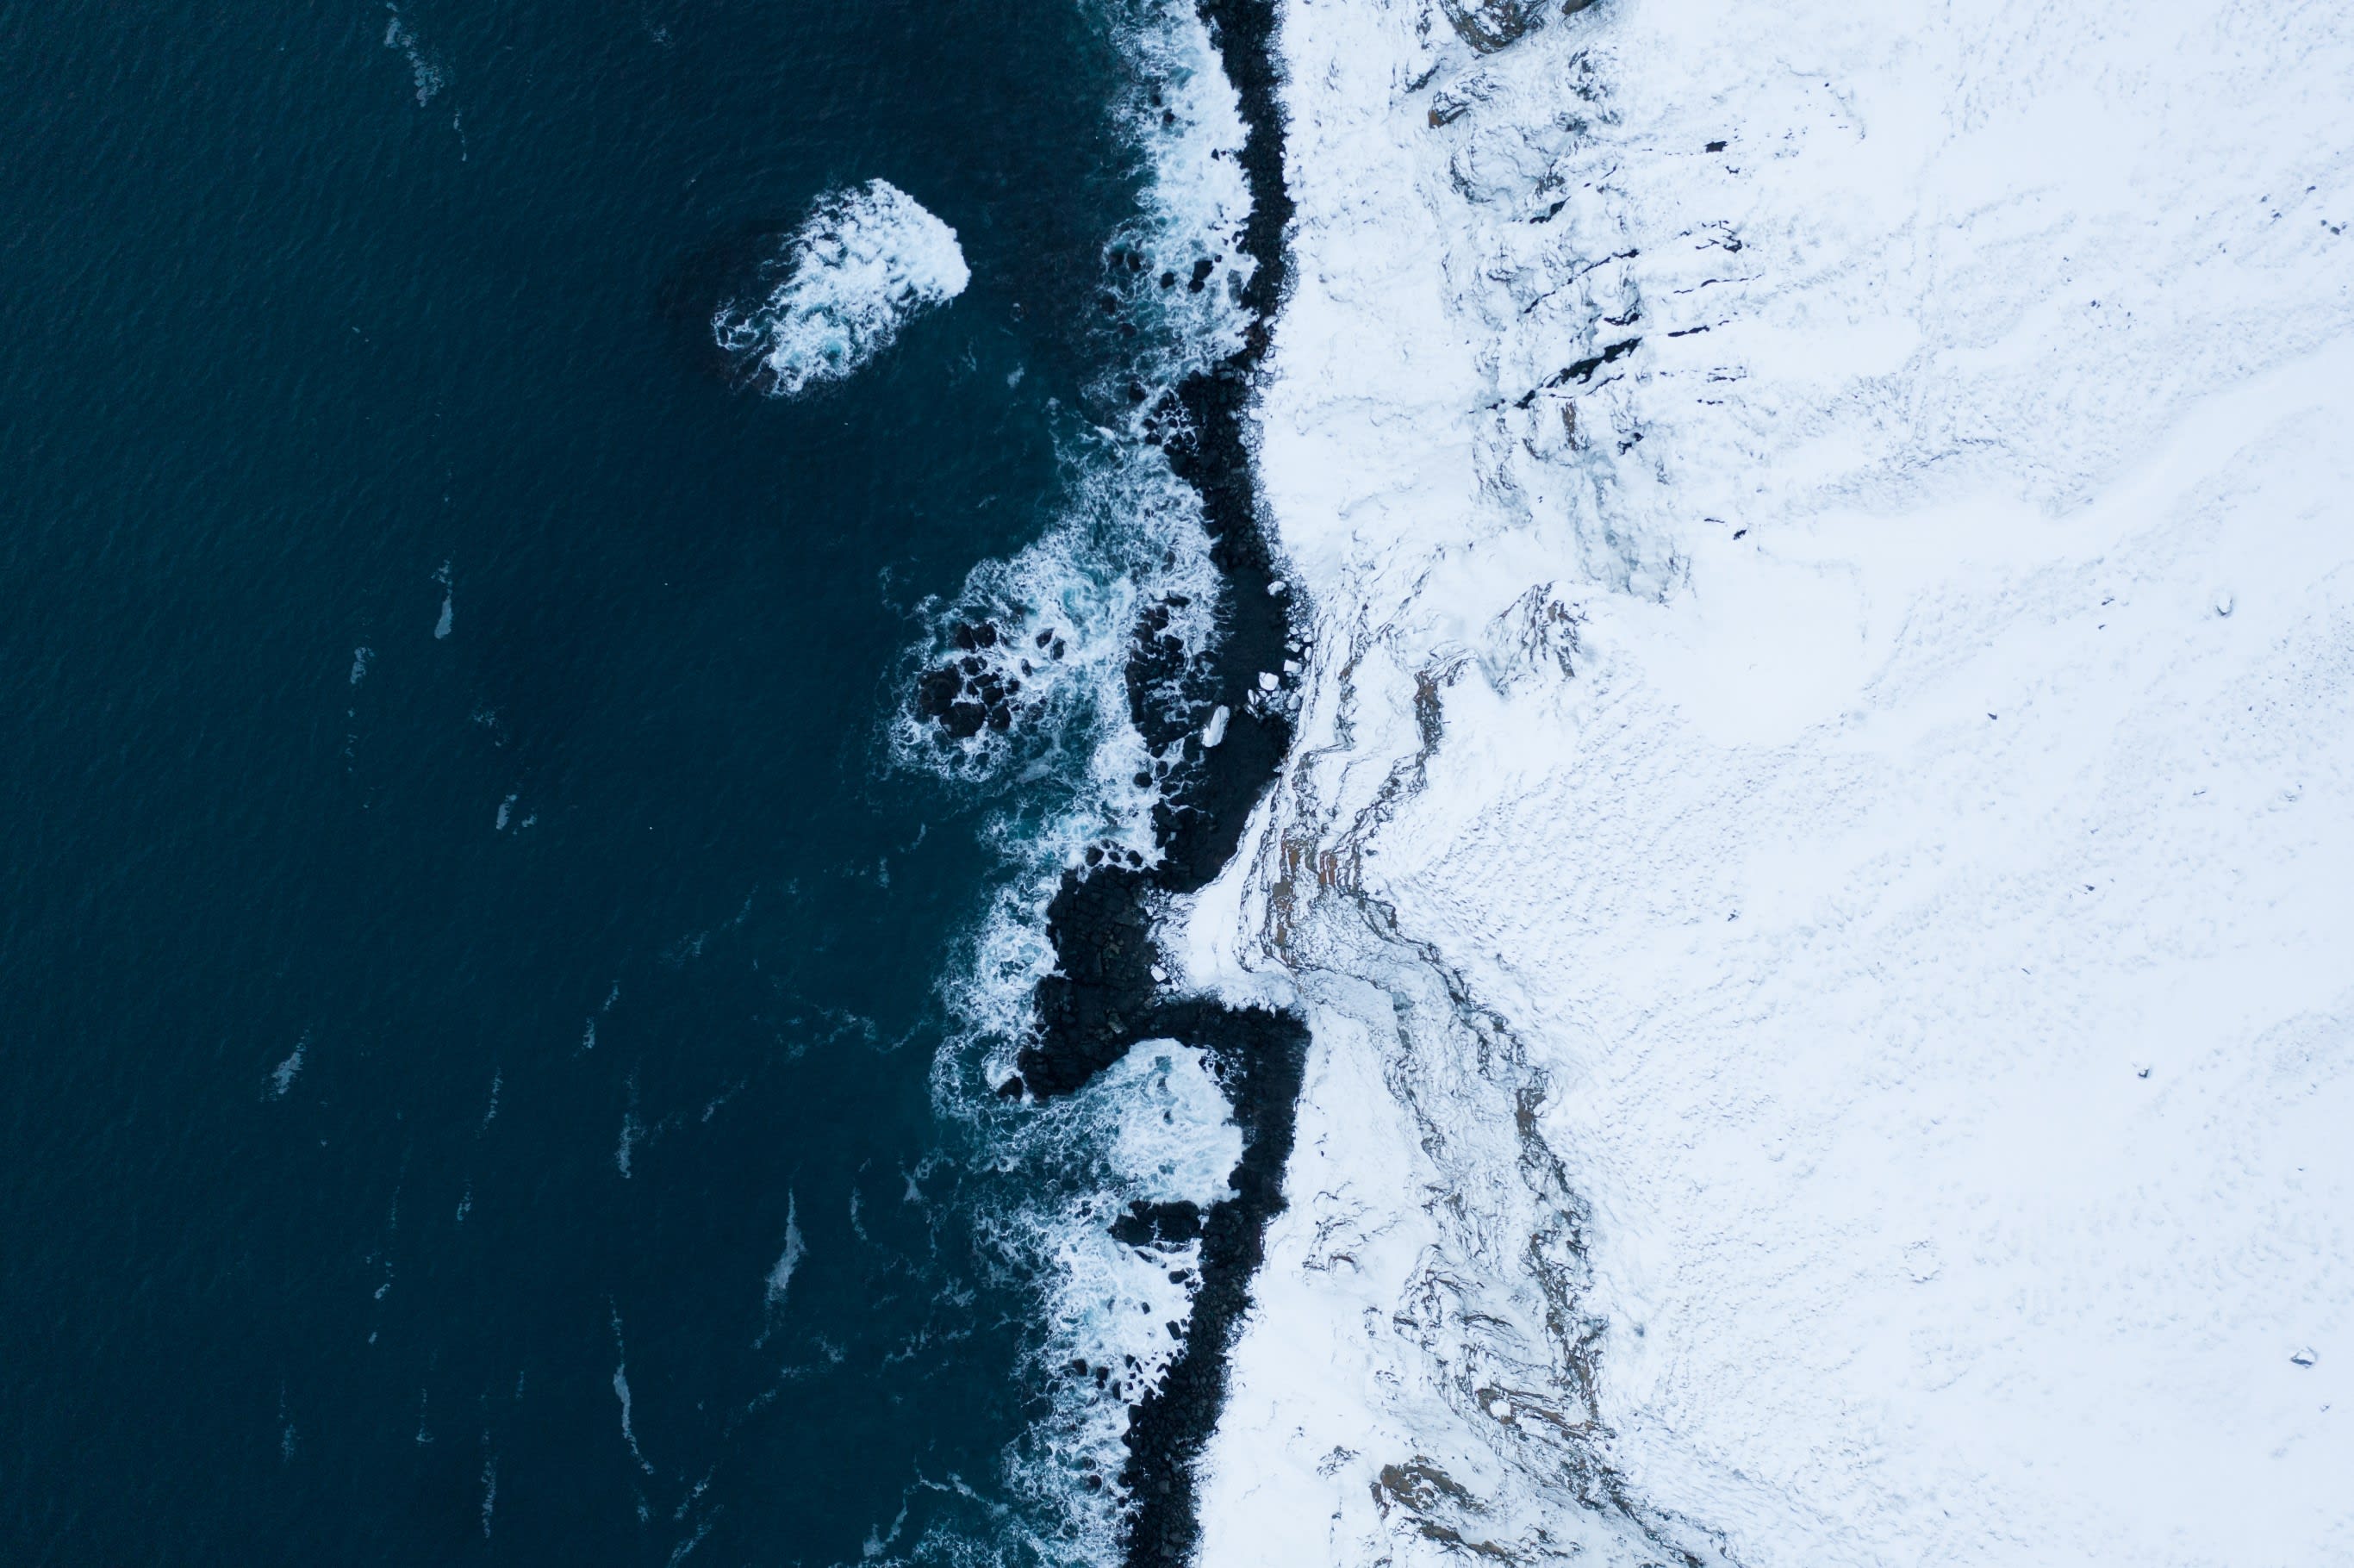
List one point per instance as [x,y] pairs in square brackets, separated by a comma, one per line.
[865,261]
[1155,1130]
[1051,731]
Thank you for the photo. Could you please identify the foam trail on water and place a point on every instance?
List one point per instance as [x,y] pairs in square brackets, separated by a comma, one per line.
[867,260]
[780,1277]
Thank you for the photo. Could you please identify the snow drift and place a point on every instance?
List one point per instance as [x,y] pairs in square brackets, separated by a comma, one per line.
[1817,853]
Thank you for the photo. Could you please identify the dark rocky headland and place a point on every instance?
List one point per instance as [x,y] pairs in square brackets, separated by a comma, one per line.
[1103,998]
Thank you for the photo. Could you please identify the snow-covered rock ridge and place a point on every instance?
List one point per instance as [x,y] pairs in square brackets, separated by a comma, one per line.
[1818,852]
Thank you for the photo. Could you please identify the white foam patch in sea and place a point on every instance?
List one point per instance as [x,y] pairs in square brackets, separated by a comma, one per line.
[865,259]
[1056,622]
[425,74]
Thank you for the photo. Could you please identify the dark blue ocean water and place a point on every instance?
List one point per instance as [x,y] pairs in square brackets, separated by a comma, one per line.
[467,1094]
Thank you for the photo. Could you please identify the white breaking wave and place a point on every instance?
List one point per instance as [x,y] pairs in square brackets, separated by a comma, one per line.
[1079,1164]
[1131,538]
[1155,1128]
[1184,246]
[865,261]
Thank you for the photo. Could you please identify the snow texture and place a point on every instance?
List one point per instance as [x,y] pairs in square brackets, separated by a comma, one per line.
[863,261]
[1818,857]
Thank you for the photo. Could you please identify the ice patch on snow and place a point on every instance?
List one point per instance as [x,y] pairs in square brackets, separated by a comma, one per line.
[865,262]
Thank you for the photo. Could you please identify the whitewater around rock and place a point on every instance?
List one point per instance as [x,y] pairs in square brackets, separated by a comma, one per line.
[865,261]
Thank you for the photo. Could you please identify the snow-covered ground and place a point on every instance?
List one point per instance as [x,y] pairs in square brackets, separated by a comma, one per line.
[1821,854]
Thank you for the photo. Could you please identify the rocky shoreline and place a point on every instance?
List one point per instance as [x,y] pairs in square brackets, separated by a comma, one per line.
[1105,996]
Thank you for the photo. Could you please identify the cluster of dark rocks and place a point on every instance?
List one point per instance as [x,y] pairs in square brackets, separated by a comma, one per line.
[1126,260]
[975,685]
[1159,671]
[1102,991]
[1106,996]
[1162,1226]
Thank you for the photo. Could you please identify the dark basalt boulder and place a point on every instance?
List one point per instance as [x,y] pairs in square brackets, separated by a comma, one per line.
[1089,1009]
[974,687]
[1491,25]
[1166,1226]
